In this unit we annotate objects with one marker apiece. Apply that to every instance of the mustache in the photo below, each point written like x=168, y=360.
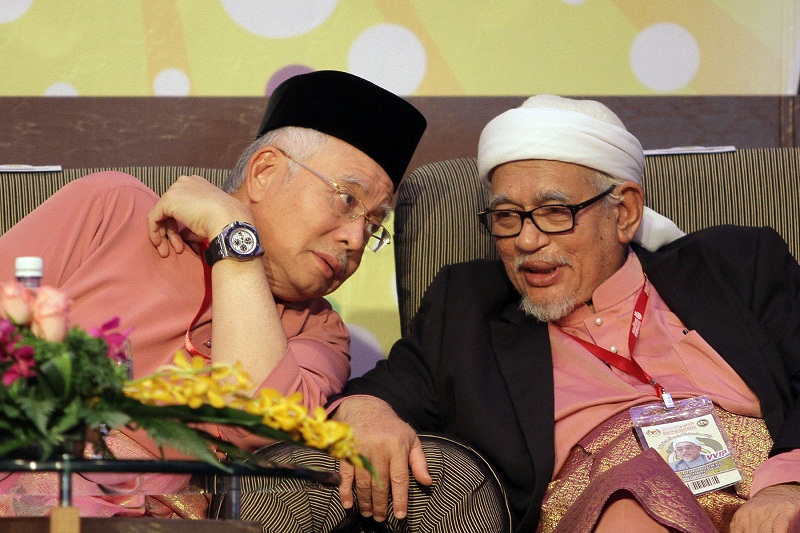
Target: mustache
x=541, y=256
x=342, y=257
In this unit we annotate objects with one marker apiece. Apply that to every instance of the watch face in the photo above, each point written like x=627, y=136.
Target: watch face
x=242, y=241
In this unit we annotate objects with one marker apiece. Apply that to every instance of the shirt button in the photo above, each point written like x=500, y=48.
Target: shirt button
x=598, y=321
x=613, y=349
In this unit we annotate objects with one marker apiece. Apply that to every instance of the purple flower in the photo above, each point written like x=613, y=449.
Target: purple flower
x=8, y=340
x=114, y=339
x=23, y=366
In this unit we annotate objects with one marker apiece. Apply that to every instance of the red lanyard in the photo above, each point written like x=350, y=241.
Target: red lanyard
x=630, y=366
x=187, y=341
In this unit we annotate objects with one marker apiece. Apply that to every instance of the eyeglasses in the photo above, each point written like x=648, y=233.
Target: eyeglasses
x=347, y=205
x=549, y=219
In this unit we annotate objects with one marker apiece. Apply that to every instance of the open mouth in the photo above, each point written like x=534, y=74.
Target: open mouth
x=541, y=270
x=540, y=273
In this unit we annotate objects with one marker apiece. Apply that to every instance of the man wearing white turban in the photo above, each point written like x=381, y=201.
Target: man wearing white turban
x=537, y=358
x=583, y=132
x=688, y=452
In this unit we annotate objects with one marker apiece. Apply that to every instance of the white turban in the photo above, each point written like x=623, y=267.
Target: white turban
x=583, y=132
x=685, y=439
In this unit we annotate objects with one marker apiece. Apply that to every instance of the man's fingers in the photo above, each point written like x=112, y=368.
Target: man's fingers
x=161, y=242
x=346, y=473
x=399, y=487
x=381, y=488
x=175, y=239
x=364, y=491
x=418, y=464
x=388, y=442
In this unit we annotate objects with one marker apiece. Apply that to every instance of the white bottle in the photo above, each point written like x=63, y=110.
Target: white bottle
x=29, y=271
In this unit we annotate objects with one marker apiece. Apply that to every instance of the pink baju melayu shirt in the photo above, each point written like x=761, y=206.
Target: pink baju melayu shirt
x=92, y=236
x=588, y=391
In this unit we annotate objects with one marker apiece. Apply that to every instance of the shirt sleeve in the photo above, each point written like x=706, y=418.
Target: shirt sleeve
x=316, y=362
x=778, y=469
x=68, y=228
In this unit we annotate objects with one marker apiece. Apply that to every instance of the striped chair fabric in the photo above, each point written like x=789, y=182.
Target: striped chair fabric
x=436, y=222
x=21, y=192
x=466, y=496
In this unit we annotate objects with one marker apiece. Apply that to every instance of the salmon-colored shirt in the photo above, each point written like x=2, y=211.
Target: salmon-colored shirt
x=587, y=391
x=92, y=236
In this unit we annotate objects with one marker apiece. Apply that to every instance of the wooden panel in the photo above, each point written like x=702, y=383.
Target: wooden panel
x=211, y=131
x=89, y=132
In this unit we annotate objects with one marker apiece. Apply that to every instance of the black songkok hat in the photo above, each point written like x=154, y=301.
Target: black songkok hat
x=352, y=109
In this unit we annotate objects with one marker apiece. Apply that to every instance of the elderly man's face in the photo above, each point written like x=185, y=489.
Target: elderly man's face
x=688, y=451
x=309, y=250
x=556, y=273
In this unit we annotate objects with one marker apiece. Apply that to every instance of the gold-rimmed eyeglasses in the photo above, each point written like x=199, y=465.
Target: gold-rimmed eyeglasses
x=349, y=207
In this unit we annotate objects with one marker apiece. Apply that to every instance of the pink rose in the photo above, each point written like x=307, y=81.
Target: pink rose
x=16, y=302
x=50, y=314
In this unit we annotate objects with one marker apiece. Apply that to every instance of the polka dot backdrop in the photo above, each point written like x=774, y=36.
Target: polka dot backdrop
x=411, y=47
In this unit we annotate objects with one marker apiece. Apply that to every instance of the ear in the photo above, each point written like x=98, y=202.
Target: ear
x=629, y=210
x=261, y=170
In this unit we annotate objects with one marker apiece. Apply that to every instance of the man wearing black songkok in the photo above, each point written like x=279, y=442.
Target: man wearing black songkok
x=305, y=199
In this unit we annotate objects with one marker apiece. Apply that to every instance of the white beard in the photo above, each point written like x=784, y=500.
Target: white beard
x=549, y=312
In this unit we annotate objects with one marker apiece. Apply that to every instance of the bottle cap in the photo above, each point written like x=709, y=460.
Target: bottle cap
x=28, y=267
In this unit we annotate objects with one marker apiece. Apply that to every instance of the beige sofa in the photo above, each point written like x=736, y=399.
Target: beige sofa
x=21, y=192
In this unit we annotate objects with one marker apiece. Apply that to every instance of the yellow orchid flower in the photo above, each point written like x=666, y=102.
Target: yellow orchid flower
x=195, y=382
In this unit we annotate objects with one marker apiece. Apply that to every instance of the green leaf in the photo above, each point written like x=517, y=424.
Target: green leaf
x=38, y=411
x=9, y=446
x=106, y=416
x=371, y=469
x=179, y=436
x=10, y=411
x=68, y=419
x=57, y=372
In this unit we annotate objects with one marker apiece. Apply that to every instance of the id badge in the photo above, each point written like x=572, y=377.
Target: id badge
x=690, y=438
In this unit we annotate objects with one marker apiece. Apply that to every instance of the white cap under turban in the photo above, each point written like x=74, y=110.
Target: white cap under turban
x=583, y=132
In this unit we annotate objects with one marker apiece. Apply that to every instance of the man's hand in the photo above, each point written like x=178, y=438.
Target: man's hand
x=392, y=446
x=192, y=209
x=772, y=510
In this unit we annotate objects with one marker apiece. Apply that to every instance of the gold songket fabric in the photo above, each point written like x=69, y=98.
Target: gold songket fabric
x=611, y=459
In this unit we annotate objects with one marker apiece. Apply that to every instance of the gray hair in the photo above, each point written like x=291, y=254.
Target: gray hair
x=601, y=181
x=300, y=143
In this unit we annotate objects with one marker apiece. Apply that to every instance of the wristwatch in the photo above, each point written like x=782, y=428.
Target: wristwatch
x=238, y=241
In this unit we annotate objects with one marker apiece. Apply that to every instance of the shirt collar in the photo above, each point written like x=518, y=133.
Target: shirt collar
x=626, y=282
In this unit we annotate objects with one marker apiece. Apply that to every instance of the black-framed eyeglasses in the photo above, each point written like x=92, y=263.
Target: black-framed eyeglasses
x=349, y=207
x=550, y=219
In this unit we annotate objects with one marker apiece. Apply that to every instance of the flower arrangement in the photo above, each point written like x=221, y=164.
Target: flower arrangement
x=59, y=382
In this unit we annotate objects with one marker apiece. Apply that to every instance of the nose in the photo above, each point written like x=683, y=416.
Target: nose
x=531, y=238
x=352, y=234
